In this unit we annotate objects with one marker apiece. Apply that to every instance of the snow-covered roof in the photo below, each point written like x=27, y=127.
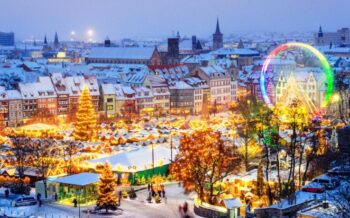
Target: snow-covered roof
x=179, y=85
x=59, y=83
x=13, y=95
x=43, y=88
x=81, y=179
x=143, y=92
x=9, y=94
x=141, y=158
x=122, y=52
x=235, y=51
x=157, y=81
x=197, y=59
x=196, y=82
x=76, y=84
x=136, y=78
x=328, y=50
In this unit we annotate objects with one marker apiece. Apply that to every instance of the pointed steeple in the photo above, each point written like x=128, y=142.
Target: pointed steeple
x=56, y=42
x=240, y=44
x=217, y=31
x=320, y=32
x=218, y=37
x=178, y=35
x=45, y=40
x=199, y=45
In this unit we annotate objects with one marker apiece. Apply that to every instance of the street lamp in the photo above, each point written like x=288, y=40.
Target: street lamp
x=152, y=159
x=133, y=170
x=171, y=146
x=79, y=192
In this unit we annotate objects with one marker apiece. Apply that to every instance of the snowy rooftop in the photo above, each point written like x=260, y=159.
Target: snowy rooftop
x=81, y=179
x=179, y=85
x=76, y=84
x=235, y=51
x=122, y=53
x=43, y=88
x=141, y=158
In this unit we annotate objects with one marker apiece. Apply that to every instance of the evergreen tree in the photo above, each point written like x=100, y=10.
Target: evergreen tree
x=260, y=180
x=107, y=198
x=85, y=126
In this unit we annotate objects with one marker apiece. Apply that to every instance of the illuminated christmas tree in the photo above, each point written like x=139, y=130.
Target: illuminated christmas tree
x=85, y=126
x=203, y=161
x=107, y=198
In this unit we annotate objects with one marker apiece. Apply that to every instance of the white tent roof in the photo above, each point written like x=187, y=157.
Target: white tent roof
x=140, y=158
x=81, y=179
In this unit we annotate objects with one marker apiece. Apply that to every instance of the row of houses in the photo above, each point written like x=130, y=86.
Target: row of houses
x=157, y=92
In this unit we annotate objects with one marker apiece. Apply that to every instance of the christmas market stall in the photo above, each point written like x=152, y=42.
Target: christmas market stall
x=137, y=164
x=81, y=187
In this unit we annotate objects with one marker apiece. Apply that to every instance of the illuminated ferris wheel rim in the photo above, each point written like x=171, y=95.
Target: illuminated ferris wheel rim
x=283, y=47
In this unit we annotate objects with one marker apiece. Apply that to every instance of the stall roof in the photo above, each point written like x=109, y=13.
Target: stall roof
x=81, y=179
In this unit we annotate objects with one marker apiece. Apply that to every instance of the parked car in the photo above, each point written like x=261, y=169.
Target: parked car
x=342, y=171
x=314, y=187
x=24, y=201
x=329, y=183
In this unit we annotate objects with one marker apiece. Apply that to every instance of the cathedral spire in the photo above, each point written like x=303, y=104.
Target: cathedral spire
x=217, y=31
x=56, y=42
x=218, y=41
x=320, y=32
x=240, y=44
x=45, y=40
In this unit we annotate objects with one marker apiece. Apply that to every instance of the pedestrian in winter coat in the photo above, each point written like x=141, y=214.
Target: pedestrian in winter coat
x=38, y=196
x=75, y=202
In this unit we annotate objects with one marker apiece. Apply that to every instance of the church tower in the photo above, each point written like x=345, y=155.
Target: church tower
x=218, y=41
x=45, y=40
x=320, y=32
x=56, y=43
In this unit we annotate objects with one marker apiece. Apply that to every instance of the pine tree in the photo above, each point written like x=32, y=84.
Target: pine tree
x=85, y=126
x=260, y=180
x=107, y=198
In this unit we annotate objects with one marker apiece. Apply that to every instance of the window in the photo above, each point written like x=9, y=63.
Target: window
x=109, y=100
x=109, y=107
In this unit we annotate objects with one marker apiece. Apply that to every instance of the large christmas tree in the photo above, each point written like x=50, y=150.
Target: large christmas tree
x=107, y=198
x=85, y=126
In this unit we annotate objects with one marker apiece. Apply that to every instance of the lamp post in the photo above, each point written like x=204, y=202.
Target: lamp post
x=152, y=159
x=79, y=192
x=133, y=170
x=171, y=147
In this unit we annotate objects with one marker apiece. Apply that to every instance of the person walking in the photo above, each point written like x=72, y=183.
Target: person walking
x=183, y=209
x=163, y=192
x=75, y=202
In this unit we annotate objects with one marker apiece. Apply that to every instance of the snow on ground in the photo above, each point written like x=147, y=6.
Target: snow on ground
x=138, y=208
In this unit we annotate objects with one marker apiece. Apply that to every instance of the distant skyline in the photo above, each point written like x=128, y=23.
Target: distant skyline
x=119, y=19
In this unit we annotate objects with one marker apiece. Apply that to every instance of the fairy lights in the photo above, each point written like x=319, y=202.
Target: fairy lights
x=298, y=45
